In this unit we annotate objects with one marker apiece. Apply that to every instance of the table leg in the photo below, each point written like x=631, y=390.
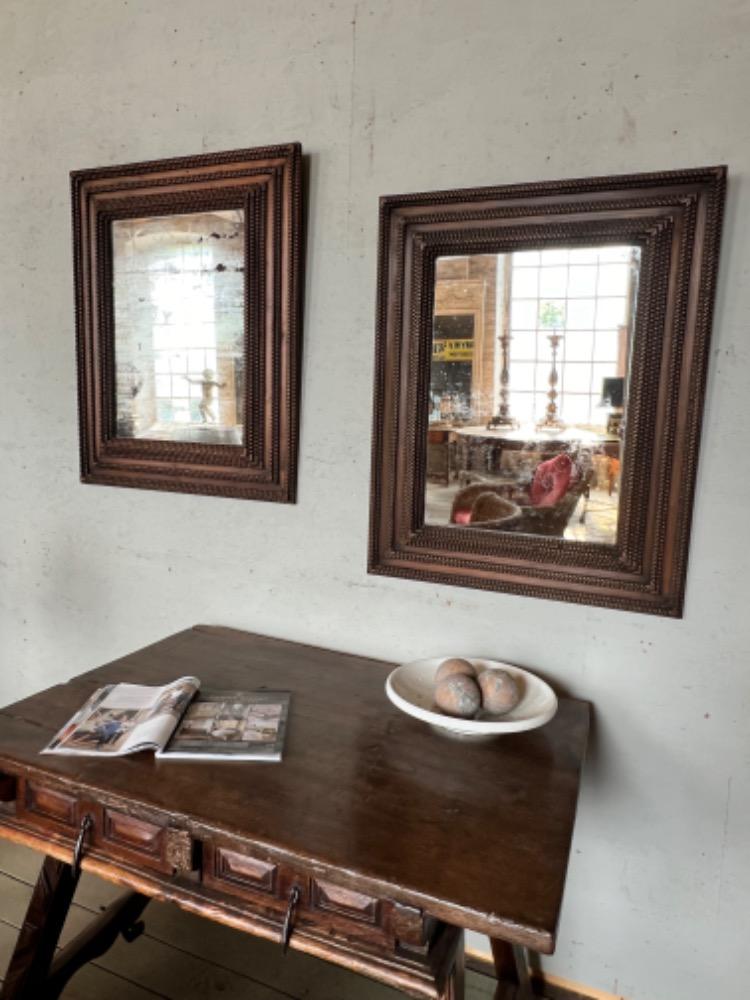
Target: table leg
x=35, y=973
x=512, y=971
x=454, y=987
x=120, y=917
x=464, y=457
x=38, y=937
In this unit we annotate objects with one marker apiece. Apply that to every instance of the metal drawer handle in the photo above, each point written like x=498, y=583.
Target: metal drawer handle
x=286, y=930
x=86, y=824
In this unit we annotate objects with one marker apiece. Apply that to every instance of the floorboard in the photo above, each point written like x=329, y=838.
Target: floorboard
x=182, y=956
x=90, y=983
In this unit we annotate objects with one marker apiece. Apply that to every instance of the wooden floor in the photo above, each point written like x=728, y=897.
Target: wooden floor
x=181, y=956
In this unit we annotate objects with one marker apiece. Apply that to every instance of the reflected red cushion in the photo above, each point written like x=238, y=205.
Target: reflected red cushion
x=551, y=481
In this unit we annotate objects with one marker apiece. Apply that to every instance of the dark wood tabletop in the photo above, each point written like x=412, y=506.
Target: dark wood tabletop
x=477, y=834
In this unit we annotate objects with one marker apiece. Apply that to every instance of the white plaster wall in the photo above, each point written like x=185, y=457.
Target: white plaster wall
x=389, y=97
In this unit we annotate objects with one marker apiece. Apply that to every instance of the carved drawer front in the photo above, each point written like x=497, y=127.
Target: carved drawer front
x=239, y=872
x=322, y=906
x=130, y=835
x=143, y=841
x=47, y=806
x=344, y=902
x=266, y=885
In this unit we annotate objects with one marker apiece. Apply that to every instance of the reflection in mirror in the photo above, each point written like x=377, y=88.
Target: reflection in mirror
x=179, y=327
x=527, y=400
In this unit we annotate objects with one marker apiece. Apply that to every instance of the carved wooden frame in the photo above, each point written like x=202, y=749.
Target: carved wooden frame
x=675, y=218
x=267, y=183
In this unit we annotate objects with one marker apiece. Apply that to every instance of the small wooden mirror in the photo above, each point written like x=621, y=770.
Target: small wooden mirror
x=540, y=371
x=187, y=282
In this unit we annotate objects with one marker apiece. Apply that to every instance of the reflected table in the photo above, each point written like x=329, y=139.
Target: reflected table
x=373, y=844
x=480, y=449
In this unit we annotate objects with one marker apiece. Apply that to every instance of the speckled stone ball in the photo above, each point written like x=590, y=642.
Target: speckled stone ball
x=454, y=665
x=458, y=695
x=500, y=691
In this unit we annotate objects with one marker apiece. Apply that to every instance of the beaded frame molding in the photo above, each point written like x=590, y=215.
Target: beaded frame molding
x=267, y=183
x=675, y=218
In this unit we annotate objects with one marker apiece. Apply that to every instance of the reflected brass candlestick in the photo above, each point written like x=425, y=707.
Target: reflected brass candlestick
x=551, y=420
x=503, y=416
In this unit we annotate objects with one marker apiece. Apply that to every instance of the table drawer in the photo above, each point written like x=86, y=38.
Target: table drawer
x=50, y=805
x=235, y=870
x=143, y=841
x=264, y=885
x=121, y=835
x=329, y=898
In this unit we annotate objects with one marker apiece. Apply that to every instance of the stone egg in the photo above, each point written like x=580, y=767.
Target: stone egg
x=458, y=695
x=453, y=666
x=500, y=691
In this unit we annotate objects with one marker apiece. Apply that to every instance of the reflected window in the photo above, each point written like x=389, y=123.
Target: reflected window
x=584, y=297
x=179, y=322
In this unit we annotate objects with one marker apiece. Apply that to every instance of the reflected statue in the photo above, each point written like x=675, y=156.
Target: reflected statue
x=209, y=383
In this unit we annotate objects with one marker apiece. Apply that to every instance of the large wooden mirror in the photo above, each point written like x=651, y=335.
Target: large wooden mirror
x=541, y=363
x=188, y=279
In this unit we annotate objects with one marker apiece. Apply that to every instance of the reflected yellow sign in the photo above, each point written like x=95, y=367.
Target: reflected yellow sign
x=452, y=350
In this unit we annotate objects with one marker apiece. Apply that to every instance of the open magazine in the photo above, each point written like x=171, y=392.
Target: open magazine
x=177, y=721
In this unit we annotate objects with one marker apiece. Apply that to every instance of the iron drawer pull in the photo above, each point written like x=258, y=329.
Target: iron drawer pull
x=286, y=930
x=86, y=824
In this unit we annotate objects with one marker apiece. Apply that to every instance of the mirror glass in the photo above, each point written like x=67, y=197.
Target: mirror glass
x=179, y=327
x=528, y=390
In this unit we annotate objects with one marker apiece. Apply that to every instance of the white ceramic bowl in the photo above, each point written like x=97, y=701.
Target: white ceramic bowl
x=411, y=688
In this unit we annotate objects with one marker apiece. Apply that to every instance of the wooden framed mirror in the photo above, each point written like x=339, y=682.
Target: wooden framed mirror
x=188, y=279
x=540, y=372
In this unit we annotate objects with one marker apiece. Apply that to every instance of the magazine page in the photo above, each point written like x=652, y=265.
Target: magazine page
x=236, y=725
x=125, y=718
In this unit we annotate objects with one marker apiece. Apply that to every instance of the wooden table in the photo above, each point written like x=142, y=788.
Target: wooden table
x=373, y=844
